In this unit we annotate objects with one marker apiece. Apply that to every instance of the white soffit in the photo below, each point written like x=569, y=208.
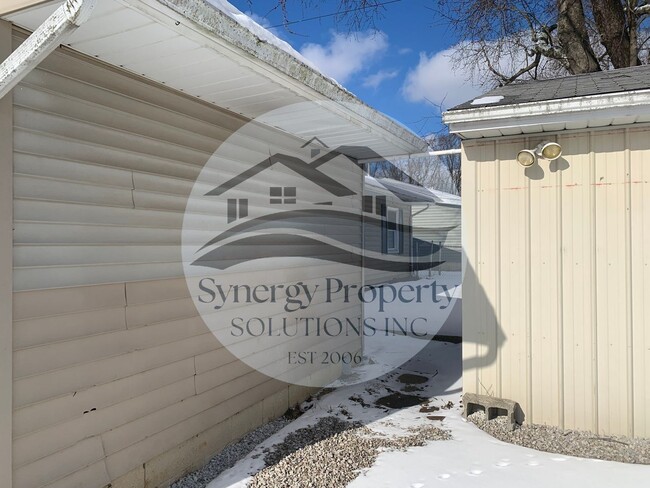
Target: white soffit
x=586, y=112
x=190, y=46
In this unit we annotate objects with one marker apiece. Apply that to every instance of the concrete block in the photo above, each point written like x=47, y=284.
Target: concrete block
x=493, y=408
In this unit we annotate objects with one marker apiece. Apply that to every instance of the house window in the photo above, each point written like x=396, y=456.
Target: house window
x=282, y=194
x=393, y=237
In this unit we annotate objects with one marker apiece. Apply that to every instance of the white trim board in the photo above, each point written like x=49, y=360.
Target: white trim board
x=621, y=108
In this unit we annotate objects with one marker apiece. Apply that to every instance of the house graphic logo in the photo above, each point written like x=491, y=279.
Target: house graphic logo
x=321, y=216
x=291, y=262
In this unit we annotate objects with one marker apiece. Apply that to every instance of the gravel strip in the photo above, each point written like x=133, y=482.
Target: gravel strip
x=568, y=442
x=331, y=454
x=231, y=454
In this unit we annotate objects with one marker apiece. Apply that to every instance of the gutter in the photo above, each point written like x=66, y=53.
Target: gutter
x=198, y=20
x=51, y=33
x=442, y=152
x=548, y=112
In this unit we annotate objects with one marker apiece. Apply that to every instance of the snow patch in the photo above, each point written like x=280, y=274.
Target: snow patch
x=487, y=100
x=471, y=459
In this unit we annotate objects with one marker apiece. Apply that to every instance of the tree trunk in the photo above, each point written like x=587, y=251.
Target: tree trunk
x=614, y=31
x=574, y=37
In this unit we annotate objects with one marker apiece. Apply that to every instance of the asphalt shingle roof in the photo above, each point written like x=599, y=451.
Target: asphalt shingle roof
x=602, y=82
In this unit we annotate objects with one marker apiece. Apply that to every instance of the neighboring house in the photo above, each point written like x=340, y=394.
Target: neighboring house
x=435, y=217
x=557, y=280
x=395, y=237
x=108, y=377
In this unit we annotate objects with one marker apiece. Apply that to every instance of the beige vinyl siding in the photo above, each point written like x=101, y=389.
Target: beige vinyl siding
x=113, y=368
x=6, y=243
x=556, y=279
x=13, y=5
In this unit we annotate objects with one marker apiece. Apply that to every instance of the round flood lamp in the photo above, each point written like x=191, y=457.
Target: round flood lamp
x=550, y=150
x=526, y=158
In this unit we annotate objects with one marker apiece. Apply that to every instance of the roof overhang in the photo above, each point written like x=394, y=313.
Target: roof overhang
x=191, y=46
x=593, y=111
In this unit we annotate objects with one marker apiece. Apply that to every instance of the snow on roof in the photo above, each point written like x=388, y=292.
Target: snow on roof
x=214, y=52
x=414, y=193
x=444, y=198
x=259, y=31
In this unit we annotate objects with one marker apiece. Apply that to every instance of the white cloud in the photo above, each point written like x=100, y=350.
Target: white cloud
x=374, y=80
x=435, y=79
x=405, y=50
x=345, y=55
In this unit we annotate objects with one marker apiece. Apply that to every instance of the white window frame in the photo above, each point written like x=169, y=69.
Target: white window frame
x=398, y=221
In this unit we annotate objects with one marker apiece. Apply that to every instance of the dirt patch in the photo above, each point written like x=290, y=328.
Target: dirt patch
x=426, y=408
x=412, y=379
x=399, y=400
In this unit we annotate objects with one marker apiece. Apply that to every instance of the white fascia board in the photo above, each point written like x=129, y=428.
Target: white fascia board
x=49, y=35
x=200, y=21
x=548, y=114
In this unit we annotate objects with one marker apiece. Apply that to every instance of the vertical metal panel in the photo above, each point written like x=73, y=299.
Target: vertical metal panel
x=482, y=305
x=640, y=278
x=557, y=262
x=577, y=283
x=611, y=281
x=545, y=281
x=6, y=265
x=512, y=273
x=470, y=160
x=488, y=272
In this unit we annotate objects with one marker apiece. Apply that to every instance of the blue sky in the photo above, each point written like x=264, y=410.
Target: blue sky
x=396, y=69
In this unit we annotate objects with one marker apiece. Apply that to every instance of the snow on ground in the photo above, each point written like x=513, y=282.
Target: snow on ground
x=384, y=352
x=471, y=458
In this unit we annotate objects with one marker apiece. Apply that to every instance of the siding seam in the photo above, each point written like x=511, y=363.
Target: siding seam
x=560, y=296
x=628, y=285
x=499, y=392
x=528, y=291
x=594, y=288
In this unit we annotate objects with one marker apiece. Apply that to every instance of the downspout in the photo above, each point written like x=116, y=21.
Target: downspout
x=51, y=33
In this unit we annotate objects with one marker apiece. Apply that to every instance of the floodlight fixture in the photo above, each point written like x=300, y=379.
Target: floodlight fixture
x=526, y=157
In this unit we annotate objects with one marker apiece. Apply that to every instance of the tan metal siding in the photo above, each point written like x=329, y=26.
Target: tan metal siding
x=640, y=274
x=556, y=278
x=472, y=155
x=510, y=245
x=577, y=317
x=543, y=318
